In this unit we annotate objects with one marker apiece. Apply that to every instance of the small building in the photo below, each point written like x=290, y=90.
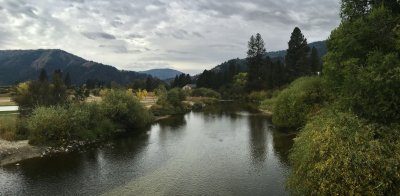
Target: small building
x=189, y=87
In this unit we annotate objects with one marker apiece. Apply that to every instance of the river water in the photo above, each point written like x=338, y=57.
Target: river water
x=227, y=150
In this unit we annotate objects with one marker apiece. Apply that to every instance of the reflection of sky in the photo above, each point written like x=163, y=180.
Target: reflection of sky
x=193, y=153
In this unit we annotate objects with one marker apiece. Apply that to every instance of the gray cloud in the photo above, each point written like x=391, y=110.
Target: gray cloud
x=98, y=35
x=141, y=34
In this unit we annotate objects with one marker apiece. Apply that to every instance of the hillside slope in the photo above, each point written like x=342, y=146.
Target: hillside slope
x=23, y=65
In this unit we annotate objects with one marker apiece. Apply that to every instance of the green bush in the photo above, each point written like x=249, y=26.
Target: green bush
x=363, y=66
x=8, y=127
x=175, y=97
x=170, y=103
x=268, y=104
x=57, y=125
x=205, y=92
x=294, y=104
x=125, y=110
x=340, y=154
x=258, y=96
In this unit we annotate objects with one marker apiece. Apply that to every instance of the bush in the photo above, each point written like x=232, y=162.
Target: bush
x=363, y=65
x=258, y=96
x=340, y=154
x=8, y=127
x=294, y=104
x=205, y=92
x=170, y=102
x=268, y=104
x=125, y=110
x=13, y=127
x=57, y=125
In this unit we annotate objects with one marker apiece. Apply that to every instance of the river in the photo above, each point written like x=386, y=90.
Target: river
x=227, y=150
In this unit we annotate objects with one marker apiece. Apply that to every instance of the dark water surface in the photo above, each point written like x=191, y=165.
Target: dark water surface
x=228, y=150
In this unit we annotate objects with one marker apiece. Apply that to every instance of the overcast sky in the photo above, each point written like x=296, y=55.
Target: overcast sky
x=188, y=35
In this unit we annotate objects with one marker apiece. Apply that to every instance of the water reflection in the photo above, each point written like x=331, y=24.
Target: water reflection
x=226, y=150
x=173, y=122
x=283, y=142
x=258, y=139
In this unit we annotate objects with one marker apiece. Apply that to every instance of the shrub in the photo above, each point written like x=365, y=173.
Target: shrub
x=268, y=104
x=58, y=125
x=205, y=92
x=8, y=127
x=258, y=96
x=340, y=154
x=170, y=102
x=125, y=110
x=294, y=104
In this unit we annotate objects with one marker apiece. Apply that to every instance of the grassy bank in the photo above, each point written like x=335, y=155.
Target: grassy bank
x=8, y=126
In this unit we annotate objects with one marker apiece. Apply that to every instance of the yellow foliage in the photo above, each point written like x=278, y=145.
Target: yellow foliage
x=141, y=94
x=22, y=88
x=129, y=92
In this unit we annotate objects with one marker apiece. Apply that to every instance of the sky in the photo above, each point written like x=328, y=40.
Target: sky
x=188, y=35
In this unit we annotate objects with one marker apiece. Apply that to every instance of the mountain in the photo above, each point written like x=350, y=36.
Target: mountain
x=275, y=56
x=162, y=74
x=23, y=65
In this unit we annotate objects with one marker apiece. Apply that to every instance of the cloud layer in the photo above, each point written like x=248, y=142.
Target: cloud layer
x=136, y=35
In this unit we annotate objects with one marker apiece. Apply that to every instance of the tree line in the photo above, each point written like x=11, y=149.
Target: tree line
x=266, y=73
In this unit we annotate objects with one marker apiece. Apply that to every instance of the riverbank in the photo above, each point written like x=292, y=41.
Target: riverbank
x=13, y=152
x=266, y=112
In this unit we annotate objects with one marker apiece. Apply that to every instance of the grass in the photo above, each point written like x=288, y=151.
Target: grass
x=8, y=126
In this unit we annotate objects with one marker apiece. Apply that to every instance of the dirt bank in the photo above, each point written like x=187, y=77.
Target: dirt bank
x=13, y=152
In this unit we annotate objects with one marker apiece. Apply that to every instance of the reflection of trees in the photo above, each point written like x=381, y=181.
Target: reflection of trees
x=173, y=122
x=258, y=139
x=282, y=145
x=55, y=165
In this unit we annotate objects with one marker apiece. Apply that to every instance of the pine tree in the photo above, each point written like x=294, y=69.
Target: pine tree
x=59, y=91
x=67, y=80
x=315, y=61
x=297, y=64
x=43, y=76
x=255, y=57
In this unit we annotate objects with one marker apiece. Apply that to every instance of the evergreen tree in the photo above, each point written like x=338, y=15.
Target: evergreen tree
x=43, y=76
x=315, y=61
x=59, y=91
x=67, y=80
x=255, y=55
x=297, y=64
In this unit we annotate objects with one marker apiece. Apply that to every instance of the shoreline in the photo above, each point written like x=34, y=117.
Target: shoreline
x=12, y=152
x=265, y=112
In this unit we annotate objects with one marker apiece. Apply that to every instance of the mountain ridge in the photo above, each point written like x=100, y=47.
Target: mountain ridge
x=23, y=65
